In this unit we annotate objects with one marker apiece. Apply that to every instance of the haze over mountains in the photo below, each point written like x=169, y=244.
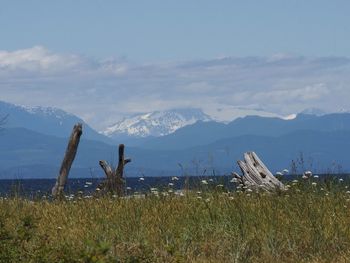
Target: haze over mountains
x=34, y=140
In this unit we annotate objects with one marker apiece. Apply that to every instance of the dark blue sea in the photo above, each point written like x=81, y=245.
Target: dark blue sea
x=39, y=187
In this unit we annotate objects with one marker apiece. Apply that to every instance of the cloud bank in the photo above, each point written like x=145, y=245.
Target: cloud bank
x=103, y=91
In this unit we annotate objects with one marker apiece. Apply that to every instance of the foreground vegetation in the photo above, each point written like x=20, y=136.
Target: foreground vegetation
x=308, y=223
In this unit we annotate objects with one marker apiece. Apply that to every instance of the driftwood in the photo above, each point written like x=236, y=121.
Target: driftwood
x=68, y=159
x=114, y=182
x=256, y=174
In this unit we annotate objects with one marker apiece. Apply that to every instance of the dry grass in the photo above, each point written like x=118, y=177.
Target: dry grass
x=305, y=224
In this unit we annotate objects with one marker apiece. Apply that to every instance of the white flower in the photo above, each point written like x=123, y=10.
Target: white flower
x=316, y=176
x=279, y=174
x=285, y=171
x=234, y=180
x=170, y=184
x=314, y=183
x=204, y=182
x=308, y=173
x=141, y=179
x=341, y=180
x=174, y=178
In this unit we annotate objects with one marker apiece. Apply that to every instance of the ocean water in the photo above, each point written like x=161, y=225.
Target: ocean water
x=39, y=187
x=33, y=188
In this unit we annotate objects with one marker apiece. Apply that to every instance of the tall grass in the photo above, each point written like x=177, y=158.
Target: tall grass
x=307, y=223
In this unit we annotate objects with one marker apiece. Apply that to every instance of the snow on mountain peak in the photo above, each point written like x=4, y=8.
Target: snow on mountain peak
x=157, y=123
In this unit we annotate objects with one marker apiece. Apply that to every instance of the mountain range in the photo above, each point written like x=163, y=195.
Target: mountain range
x=155, y=124
x=33, y=142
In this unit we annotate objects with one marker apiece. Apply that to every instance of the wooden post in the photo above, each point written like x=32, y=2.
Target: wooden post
x=114, y=182
x=256, y=174
x=68, y=159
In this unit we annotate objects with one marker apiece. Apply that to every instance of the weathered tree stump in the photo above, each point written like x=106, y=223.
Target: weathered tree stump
x=114, y=182
x=67, y=162
x=256, y=174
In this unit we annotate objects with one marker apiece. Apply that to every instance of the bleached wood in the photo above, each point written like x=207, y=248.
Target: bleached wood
x=68, y=159
x=115, y=178
x=257, y=175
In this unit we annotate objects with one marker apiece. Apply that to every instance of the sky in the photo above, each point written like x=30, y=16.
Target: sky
x=104, y=60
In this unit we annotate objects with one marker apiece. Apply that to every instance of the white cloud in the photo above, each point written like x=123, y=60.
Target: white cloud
x=102, y=91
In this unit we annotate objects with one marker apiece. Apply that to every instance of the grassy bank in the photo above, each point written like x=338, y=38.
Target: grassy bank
x=307, y=223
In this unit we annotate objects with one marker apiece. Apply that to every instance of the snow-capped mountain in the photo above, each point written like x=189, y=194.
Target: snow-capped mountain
x=45, y=120
x=157, y=123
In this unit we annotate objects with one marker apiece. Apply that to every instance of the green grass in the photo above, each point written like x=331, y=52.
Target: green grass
x=304, y=224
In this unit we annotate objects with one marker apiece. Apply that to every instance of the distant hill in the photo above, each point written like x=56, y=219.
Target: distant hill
x=202, y=133
x=28, y=154
x=46, y=120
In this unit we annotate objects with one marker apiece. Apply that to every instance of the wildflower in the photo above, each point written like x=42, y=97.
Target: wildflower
x=199, y=192
x=305, y=177
x=314, y=183
x=285, y=171
x=205, y=182
x=174, y=178
x=88, y=183
x=141, y=179
x=170, y=184
x=308, y=174
x=154, y=189
x=341, y=180
x=279, y=174
x=348, y=192
x=86, y=186
x=220, y=185
x=248, y=194
x=316, y=176
x=114, y=196
x=207, y=200
x=199, y=197
x=128, y=188
x=211, y=180
x=98, y=189
x=231, y=198
x=170, y=191
x=249, y=190
x=234, y=180
x=59, y=228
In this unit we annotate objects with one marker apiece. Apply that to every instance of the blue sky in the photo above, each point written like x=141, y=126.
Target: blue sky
x=175, y=30
x=104, y=60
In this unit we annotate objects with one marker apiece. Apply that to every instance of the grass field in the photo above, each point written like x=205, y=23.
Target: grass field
x=307, y=223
